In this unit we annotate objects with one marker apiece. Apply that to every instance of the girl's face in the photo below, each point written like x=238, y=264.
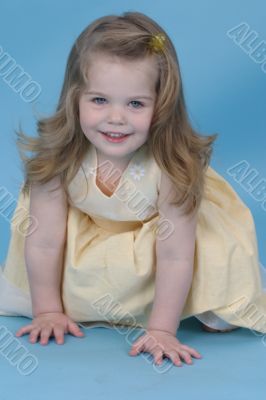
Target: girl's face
x=120, y=98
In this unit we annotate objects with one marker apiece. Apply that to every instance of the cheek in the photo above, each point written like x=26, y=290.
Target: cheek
x=144, y=121
x=86, y=116
x=82, y=113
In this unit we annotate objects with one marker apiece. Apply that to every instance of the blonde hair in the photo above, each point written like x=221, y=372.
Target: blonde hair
x=181, y=153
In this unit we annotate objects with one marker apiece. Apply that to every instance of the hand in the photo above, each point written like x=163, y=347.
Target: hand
x=158, y=343
x=54, y=324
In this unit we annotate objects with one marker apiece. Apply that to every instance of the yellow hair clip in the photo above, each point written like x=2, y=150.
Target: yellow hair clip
x=157, y=42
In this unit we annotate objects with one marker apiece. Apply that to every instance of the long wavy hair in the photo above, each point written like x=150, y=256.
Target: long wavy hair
x=180, y=152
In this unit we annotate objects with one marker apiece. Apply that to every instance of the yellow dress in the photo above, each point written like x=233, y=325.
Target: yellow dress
x=109, y=258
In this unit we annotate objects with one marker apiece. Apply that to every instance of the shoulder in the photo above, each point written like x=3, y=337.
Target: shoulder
x=166, y=190
x=179, y=241
x=167, y=194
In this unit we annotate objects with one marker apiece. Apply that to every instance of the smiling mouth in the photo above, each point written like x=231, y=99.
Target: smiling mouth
x=115, y=134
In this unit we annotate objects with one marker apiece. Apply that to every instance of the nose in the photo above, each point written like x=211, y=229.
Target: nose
x=116, y=115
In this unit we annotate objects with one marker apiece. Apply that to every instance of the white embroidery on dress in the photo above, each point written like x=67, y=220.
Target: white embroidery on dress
x=137, y=171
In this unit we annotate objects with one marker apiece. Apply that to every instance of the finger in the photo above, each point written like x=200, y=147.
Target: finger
x=74, y=329
x=24, y=329
x=34, y=335
x=59, y=334
x=45, y=334
x=185, y=355
x=140, y=343
x=192, y=351
x=157, y=356
x=174, y=357
x=136, y=349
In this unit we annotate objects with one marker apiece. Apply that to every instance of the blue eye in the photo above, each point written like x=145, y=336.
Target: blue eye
x=138, y=102
x=95, y=100
x=98, y=98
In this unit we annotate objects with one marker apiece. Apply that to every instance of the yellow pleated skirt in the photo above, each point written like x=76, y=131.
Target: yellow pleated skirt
x=109, y=266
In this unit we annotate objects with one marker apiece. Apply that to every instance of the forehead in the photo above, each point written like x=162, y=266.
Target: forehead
x=106, y=71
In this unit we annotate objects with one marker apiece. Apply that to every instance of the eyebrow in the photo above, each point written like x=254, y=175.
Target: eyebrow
x=104, y=95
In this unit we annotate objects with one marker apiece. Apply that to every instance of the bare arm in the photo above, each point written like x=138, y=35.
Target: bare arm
x=44, y=248
x=174, y=269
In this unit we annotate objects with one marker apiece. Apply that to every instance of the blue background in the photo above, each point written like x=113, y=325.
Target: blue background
x=224, y=87
x=225, y=93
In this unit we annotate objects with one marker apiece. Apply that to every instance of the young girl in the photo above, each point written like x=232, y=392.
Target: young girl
x=120, y=217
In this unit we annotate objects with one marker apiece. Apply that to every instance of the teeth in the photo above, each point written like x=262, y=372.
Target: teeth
x=114, y=134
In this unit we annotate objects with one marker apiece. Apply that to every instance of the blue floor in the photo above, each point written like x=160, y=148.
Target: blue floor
x=98, y=366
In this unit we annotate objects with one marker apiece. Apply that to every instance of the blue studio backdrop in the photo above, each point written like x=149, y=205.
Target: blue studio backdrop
x=222, y=53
